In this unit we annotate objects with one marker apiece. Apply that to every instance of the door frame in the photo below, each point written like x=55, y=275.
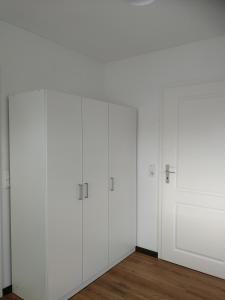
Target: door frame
x=161, y=173
x=1, y=188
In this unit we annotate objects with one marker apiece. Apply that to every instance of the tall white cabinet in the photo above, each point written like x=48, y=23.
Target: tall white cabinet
x=73, y=191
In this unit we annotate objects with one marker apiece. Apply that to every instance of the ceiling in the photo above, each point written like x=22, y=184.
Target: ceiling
x=109, y=30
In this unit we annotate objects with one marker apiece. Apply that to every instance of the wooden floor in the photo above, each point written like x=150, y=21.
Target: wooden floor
x=140, y=277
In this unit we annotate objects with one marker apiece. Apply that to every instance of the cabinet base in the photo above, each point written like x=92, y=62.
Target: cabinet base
x=85, y=284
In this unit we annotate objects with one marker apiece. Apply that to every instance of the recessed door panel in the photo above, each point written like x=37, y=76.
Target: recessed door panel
x=201, y=146
x=200, y=231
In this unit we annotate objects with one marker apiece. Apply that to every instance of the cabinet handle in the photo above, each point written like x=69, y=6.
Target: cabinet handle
x=86, y=190
x=80, y=191
x=112, y=189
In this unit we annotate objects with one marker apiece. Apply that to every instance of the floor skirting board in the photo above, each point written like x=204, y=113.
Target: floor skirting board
x=147, y=252
x=7, y=290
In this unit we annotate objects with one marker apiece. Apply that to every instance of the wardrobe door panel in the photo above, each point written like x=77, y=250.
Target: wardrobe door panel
x=64, y=174
x=122, y=195
x=95, y=178
x=27, y=197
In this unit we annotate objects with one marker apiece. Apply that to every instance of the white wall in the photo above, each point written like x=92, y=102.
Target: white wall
x=140, y=82
x=30, y=62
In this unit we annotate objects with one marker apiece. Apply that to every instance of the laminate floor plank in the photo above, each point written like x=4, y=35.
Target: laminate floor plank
x=141, y=277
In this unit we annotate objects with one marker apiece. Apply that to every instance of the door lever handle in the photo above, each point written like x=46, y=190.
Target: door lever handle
x=168, y=172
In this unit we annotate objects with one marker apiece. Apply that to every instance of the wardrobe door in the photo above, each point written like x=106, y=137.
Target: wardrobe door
x=95, y=179
x=27, y=172
x=122, y=195
x=64, y=174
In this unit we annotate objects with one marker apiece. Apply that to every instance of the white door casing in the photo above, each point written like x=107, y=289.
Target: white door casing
x=193, y=202
x=1, y=269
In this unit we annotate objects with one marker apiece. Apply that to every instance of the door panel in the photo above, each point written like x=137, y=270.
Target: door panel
x=95, y=206
x=201, y=125
x=199, y=237
x=193, y=221
x=64, y=160
x=122, y=158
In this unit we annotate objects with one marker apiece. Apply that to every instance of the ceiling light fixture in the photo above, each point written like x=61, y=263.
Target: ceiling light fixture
x=140, y=2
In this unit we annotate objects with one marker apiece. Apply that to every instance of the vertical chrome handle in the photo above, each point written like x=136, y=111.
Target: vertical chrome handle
x=112, y=188
x=86, y=190
x=80, y=191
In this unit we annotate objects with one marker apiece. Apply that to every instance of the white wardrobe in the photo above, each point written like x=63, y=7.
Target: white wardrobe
x=73, y=191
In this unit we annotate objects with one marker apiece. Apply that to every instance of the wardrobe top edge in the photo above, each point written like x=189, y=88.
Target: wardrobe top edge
x=45, y=90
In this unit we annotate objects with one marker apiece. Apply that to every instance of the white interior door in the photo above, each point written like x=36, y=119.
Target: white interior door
x=64, y=135
x=122, y=195
x=193, y=219
x=95, y=179
x=1, y=190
